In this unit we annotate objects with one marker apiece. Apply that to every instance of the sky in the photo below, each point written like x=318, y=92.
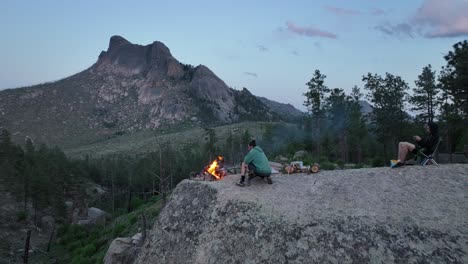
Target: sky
x=270, y=47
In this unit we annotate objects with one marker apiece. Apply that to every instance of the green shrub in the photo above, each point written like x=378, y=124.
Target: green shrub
x=72, y=233
x=120, y=211
x=98, y=258
x=132, y=218
x=340, y=164
x=118, y=230
x=323, y=159
x=136, y=203
x=80, y=260
x=358, y=166
x=327, y=166
x=74, y=246
x=88, y=250
x=377, y=162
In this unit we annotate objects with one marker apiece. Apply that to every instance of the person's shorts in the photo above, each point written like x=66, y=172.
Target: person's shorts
x=257, y=173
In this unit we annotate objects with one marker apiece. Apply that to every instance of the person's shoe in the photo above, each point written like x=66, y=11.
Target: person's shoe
x=398, y=164
x=250, y=177
x=241, y=184
x=269, y=181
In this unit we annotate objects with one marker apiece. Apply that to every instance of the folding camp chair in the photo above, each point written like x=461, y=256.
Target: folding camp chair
x=429, y=158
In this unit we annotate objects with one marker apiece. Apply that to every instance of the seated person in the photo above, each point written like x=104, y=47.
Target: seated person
x=256, y=163
x=427, y=142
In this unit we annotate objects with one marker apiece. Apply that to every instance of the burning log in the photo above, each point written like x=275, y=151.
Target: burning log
x=213, y=172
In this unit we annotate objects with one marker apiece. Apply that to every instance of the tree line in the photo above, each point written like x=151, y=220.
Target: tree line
x=43, y=177
x=335, y=121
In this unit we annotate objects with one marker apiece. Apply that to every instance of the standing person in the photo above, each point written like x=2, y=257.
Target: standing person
x=256, y=164
x=427, y=142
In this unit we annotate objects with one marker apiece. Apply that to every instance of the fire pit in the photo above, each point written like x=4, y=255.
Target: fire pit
x=213, y=172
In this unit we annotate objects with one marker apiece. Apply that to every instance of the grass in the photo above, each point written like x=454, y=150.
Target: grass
x=147, y=141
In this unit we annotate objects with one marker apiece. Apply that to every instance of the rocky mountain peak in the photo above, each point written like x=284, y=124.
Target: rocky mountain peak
x=127, y=58
x=117, y=41
x=130, y=88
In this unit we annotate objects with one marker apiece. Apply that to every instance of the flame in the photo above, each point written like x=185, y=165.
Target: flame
x=212, y=169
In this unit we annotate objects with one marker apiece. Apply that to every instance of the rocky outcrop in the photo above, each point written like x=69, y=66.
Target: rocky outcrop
x=123, y=250
x=409, y=215
x=94, y=216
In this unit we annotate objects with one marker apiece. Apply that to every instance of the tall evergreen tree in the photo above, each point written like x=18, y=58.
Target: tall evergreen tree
x=336, y=106
x=450, y=115
x=424, y=98
x=455, y=79
x=315, y=97
x=357, y=128
x=211, y=147
x=388, y=96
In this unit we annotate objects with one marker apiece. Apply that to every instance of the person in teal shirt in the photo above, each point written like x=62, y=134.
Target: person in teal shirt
x=256, y=164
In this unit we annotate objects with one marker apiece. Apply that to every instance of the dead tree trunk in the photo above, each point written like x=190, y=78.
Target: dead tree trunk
x=317, y=135
x=143, y=218
x=129, y=205
x=50, y=238
x=26, y=247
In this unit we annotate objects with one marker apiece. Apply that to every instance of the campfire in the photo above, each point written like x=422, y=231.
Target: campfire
x=213, y=172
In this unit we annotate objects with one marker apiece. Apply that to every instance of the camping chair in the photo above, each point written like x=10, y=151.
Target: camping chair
x=429, y=158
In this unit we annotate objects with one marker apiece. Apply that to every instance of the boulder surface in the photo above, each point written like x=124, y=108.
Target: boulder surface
x=412, y=214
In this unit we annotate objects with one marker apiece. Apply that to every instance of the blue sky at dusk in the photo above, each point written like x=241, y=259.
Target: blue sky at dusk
x=270, y=47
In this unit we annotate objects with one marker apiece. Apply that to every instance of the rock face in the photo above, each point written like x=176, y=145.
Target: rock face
x=130, y=88
x=409, y=215
x=121, y=251
x=94, y=216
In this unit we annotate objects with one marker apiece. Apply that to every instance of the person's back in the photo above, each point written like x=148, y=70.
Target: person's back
x=256, y=163
x=429, y=141
x=257, y=157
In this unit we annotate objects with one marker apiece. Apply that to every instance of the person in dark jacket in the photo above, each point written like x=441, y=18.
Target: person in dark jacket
x=256, y=164
x=427, y=143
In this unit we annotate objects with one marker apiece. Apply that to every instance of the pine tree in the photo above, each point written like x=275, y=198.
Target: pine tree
x=425, y=95
x=336, y=106
x=357, y=127
x=6, y=156
x=455, y=78
x=315, y=97
x=388, y=96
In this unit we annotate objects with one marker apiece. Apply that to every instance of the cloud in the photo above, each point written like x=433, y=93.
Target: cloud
x=251, y=74
x=342, y=11
x=398, y=30
x=433, y=19
x=309, y=31
x=262, y=48
x=439, y=19
x=378, y=12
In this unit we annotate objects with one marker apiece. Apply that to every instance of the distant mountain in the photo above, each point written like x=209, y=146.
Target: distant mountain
x=366, y=108
x=285, y=111
x=130, y=88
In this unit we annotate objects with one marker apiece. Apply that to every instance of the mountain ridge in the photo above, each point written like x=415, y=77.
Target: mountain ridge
x=129, y=88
